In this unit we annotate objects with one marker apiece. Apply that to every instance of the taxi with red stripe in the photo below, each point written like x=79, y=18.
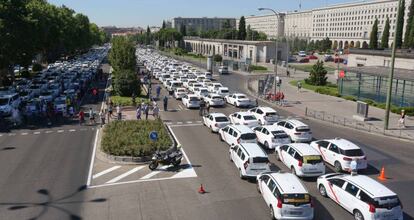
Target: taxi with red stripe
x=340, y=152
x=362, y=196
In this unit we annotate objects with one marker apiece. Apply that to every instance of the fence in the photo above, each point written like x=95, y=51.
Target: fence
x=346, y=122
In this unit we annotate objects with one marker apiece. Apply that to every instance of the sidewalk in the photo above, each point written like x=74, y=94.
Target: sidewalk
x=336, y=110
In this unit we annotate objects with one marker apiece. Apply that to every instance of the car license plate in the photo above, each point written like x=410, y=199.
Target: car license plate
x=295, y=213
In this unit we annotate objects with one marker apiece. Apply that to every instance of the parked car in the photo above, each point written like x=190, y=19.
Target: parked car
x=304, y=60
x=265, y=115
x=215, y=121
x=250, y=159
x=214, y=100
x=223, y=70
x=179, y=93
x=238, y=100
x=302, y=53
x=244, y=118
x=222, y=91
x=285, y=195
x=297, y=130
x=191, y=101
x=361, y=195
x=8, y=103
x=236, y=134
x=328, y=58
x=270, y=137
x=340, y=152
x=312, y=57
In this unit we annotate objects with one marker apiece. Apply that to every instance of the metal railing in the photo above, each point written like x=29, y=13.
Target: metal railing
x=346, y=122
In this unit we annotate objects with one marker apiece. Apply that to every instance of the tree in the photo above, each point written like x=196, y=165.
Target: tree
x=122, y=55
x=400, y=25
x=183, y=30
x=242, y=29
x=317, y=75
x=408, y=40
x=386, y=34
x=226, y=24
x=126, y=83
x=163, y=25
x=373, y=39
x=148, y=36
x=217, y=58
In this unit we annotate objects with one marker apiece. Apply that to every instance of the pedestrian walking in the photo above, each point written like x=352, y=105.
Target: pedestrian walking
x=202, y=107
x=287, y=73
x=81, y=117
x=158, y=90
x=208, y=107
x=165, y=103
x=71, y=112
x=91, y=116
x=138, y=112
x=156, y=111
x=401, y=122
x=282, y=99
x=257, y=102
x=119, y=112
x=110, y=110
x=299, y=85
x=146, y=111
x=102, y=116
x=353, y=166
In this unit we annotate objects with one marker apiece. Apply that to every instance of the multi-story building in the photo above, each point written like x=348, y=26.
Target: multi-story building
x=346, y=25
x=202, y=24
x=273, y=26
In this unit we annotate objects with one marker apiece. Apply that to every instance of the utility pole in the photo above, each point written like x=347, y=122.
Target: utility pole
x=391, y=75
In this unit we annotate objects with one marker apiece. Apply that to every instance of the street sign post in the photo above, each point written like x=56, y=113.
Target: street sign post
x=153, y=136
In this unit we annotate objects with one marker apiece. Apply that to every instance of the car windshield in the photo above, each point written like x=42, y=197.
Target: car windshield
x=260, y=160
x=279, y=134
x=241, y=97
x=249, y=117
x=313, y=159
x=194, y=99
x=303, y=129
x=224, y=91
x=271, y=114
x=353, y=153
x=4, y=101
x=222, y=119
x=296, y=199
x=45, y=93
x=216, y=97
x=387, y=202
x=248, y=136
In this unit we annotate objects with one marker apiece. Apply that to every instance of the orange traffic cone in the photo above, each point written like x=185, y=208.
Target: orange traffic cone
x=201, y=189
x=382, y=174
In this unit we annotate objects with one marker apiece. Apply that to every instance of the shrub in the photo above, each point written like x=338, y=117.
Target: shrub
x=131, y=138
x=25, y=74
x=126, y=83
x=254, y=67
x=127, y=101
x=317, y=75
x=350, y=98
x=218, y=58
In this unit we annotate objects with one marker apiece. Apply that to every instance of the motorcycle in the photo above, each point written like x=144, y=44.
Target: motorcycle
x=168, y=157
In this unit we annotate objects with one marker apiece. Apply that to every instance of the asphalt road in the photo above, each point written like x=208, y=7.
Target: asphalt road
x=43, y=171
x=228, y=196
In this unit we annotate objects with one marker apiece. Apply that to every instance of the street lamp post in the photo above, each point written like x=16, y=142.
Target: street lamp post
x=391, y=75
x=276, y=55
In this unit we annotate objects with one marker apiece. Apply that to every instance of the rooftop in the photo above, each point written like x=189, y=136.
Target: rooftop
x=230, y=41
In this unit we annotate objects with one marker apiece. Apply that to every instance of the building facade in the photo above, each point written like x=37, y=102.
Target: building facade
x=202, y=24
x=273, y=26
x=243, y=51
x=379, y=58
x=347, y=25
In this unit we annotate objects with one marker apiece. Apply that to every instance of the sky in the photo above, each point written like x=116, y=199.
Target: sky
x=133, y=13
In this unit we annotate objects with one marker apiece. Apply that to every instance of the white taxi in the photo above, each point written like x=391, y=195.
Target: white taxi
x=265, y=115
x=244, y=118
x=215, y=121
x=271, y=137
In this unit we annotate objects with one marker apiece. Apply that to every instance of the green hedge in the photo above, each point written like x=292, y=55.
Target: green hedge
x=254, y=67
x=131, y=138
x=127, y=101
x=329, y=89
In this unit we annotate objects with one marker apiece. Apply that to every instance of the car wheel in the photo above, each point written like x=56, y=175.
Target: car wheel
x=235, y=104
x=338, y=167
x=241, y=174
x=211, y=128
x=322, y=191
x=260, y=122
x=272, y=213
x=277, y=156
x=231, y=160
x=266, y=145
x=258, y=188
x=293, y=171
x=358, y=215
x=221, y=138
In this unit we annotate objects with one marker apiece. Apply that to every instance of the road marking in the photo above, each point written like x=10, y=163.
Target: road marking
x=25, y=133
x=179, y=106
x=12, y=134
x=88, y=182
x=105, y=172
x=116, y=179
x=1, y=135
x=60, y=131
x=72, y=130
x=188, y=172
x=48, y=132
x=168, y=123
x=185, y=125
x=189, y=122
x=37, y=132
x=198, y=121
x=179, y=122
x=153, y=173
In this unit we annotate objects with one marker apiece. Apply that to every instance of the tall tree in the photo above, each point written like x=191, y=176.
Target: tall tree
x=249, y=35
x=148, y=36
x=317, y=75
x=409, y=26
x=386, y=34
x=163, y=24
x=410, y=43
x=183, y=30
x=242, y=29
x=373, y=39
x=400, y=25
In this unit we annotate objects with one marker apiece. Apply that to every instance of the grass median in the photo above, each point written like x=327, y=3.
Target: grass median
x=308, y=67
x=127, y=101
x=131, y=138
x=329, y=89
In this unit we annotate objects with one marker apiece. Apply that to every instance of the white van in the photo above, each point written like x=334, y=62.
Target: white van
x=249, y=159
x=285, y=195
x=236, y=134
x=302, y=159
x=297, y=130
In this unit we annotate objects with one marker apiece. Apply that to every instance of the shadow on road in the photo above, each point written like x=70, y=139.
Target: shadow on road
x=51, y=203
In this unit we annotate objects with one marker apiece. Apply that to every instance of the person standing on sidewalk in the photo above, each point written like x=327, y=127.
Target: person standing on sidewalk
x=156, y=111
x=402, y=119
x=81, y=117
x=158, y=90
x=165, y=103
x=299, y=84
x=102, y=116
x=146, y=111
x=119, y=112
x=138, y=111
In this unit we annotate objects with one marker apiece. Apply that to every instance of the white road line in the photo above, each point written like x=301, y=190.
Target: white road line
x=179, y=122
x=1, y=135
x=185, y=125
x=168, y=123
x=105, y=172
x=60, y=131
x=179, y=106
x=83, y=129
x=72, y=130
x=25, y=133
x=116, y=179
x=153, y=173
x=12, y=134
x=189, y=122
x=198, y=121
x=37, y=132
x=48, y=132
x=88, y=182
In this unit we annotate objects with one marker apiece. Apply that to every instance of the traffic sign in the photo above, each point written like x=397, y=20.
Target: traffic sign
x=153, y=136
x=342, y=74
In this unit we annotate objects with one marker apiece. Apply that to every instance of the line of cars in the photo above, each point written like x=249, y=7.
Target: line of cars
x=54, y=84
x=252, y=133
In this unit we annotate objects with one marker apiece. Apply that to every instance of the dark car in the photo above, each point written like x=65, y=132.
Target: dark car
x=304, y=60
x=329, y=59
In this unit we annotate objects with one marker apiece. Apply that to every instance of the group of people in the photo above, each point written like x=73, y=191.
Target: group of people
x=204, y=107
x=145, y=108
